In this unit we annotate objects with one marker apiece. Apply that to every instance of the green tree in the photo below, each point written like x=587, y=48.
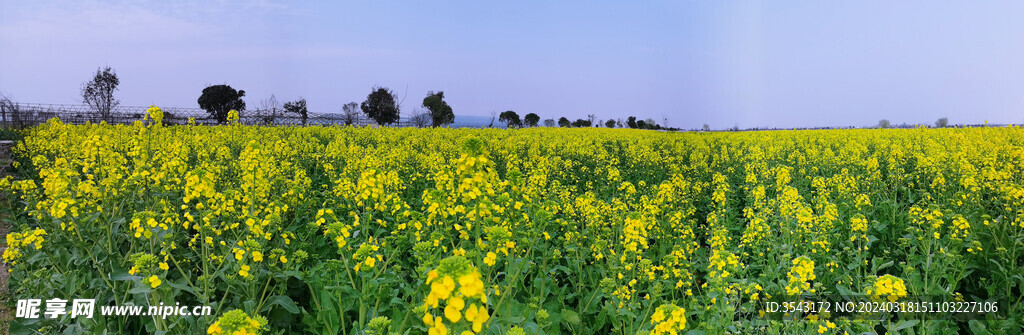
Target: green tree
x=381, y=106
x=942, y=123
x=219, y=99
x=510, y=118
x=298, y=107
x=98, y=93
x=651, y=124
x=609, y=123
x=580, y=123
x=531, y=119
x=440, y=113
x=631, y=122
x=883, y=123
x=564, y=123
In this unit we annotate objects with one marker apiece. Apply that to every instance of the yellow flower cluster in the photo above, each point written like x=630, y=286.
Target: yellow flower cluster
x=457, y=283
x=889, y=287
x=858, y=229
x=236, y=322
x=959, y=227
x=799, y=276
x=367, y=256
x=491, y=258
x=668, y=319
x=18, y=241
x=156, y=114
x=634, y=234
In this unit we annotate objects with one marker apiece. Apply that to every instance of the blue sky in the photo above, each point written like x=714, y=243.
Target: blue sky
x=724, y=63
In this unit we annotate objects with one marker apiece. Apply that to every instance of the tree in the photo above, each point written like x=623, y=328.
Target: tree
x=549, y=122
x=563, y=122
x=651, y=124
x=10, y=112
x=706, y=127
x=297, y=107
x=531, y=119
x=269, y=110
x=883, y=123
x=219, y=99
x=493, y=115
x=609, y=123
x=942, y=123
x=641, y=124
x=350, y=113
x=510, y=118
x=580, y=123
x=440, y=113
x=631, y=122
x=381, y=106
x=98, y=93
x=422, y=119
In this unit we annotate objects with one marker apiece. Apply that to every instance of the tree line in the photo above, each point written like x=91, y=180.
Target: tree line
x=381, y=105
x=511, y=120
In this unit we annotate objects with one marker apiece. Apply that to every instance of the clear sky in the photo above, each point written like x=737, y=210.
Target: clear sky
x=724, y=63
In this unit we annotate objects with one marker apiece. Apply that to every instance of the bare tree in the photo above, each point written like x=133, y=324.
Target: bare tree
x=419, y=118
x=549, y=123
x=98, y=93
x=590, y=117
x=269, y=110
x=350, y=113
x=493, y=116
x=706, y=127
x=10, y=114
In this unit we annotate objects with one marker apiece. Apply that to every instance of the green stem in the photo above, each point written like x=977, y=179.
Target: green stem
x=263, y=296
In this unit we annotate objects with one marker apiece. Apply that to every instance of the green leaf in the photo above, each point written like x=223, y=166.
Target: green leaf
x=977, y=327
x=904, y=325
x=182, y=287
x=883, y=266
x=571, y=317
x=285, y=302
x=144, y=289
